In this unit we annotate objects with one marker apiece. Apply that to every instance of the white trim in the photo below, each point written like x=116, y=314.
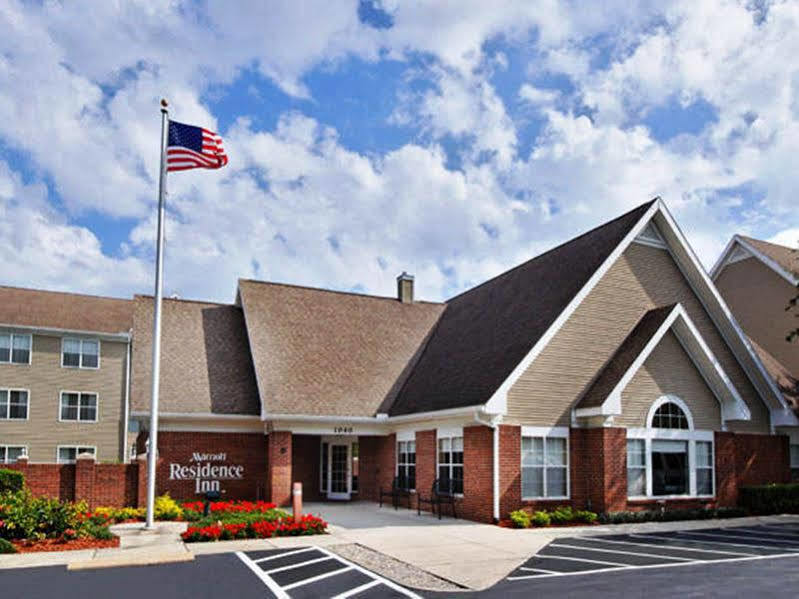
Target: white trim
x=210, y=427
x=451, y=434
x=59, y=332
x=196, y=416
x=498, y=401
x=7, y=446
x=80, y=340
x=663, y=400
x=651, y=236
x=545, y=431
x=126, y=413
x=27, y=412
x=74, y=446
x=406, y=435
x=674, y=434
x=728, y=257
x=449, y=431
x=465, y=411
x=732, y=407
x=406, y=463
x=11, y=334
x=78, y=420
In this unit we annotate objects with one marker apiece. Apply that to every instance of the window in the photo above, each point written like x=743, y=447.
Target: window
x=669, y=467
x=636, y=467
x=80, y=353
x=10, y=453
x=323, y=469
x=68, y=455
x=545, y=467
x=704, y=468
x=450, y=464
x=13, y=404
x=795, y=462
x=406, y=464
x=670, y=415
x=78, y=406
x=15, y=348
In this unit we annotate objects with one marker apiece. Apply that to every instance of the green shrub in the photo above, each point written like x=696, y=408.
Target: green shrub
x=671, y=515
x=101, y=533
x=7, y=547
x=585, y=516
x=562, y=515
x=27, y=517
x=166, y=508
x=520, y=519
x=541, y=518
x=11, y=481
x=242, y=517
x=771, y=499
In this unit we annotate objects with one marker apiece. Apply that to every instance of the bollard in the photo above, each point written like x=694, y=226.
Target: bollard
x=296, y=501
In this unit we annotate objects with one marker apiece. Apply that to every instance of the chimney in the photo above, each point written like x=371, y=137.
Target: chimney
x=405, y=288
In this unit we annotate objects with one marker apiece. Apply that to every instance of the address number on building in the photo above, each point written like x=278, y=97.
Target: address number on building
x=343, y=430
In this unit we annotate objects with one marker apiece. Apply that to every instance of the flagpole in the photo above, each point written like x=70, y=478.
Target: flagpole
x=152, y=454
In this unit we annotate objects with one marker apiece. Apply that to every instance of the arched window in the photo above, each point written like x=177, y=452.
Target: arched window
x=670, y=415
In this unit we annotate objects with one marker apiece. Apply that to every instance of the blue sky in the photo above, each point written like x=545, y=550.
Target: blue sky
x=451, y=140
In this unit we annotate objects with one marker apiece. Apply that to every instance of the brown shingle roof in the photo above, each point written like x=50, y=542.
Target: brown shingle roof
x=487, y=331
x=623, y=357
x=205, y=359
x=330, y=353
x=69, y=311
x=786, y=381
x=786, y=257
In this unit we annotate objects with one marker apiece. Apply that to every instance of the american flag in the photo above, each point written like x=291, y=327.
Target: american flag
x=193, y=147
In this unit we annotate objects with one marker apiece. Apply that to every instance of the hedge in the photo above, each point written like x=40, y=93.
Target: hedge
x=770, y=499
x=11, y=480
x=671, y=515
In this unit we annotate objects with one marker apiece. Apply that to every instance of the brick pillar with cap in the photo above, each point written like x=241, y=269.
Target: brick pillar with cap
x=278, y=467
x=85, y=474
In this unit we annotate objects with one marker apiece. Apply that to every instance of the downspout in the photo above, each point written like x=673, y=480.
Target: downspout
x=125, y=458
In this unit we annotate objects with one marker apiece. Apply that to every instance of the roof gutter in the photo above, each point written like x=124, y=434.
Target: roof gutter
x=103, y=336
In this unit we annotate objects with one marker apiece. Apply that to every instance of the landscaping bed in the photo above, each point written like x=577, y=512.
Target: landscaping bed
x=64, y=545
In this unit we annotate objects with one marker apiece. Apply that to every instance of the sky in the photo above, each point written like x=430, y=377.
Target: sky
x=451, y=140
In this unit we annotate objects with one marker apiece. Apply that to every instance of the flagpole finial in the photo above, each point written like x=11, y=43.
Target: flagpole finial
x=164, y=104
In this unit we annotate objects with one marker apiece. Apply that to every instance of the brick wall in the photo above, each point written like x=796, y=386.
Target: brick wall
x=305, y=465
x=240, y=449
x=278, y=467
x=377, y=465
x=425, y=461
x=510, y=469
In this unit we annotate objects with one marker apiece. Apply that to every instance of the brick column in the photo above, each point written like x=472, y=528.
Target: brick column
x=726, y=475
x=478, y=473
x=84, y=478
x=278, y=466
x=510, y=469
x=376, y=464
x=603, y=468
x=425, y=461
x=141, y=484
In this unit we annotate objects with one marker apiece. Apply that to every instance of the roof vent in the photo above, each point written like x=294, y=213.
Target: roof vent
x=405, y=288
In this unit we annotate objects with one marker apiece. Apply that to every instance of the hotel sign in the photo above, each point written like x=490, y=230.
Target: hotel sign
x=207, y=470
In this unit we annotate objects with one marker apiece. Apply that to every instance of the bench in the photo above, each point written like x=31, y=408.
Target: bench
x=399, y=489
x=440, y=494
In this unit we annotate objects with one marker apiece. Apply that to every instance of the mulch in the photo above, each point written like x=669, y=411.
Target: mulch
x=61, y=545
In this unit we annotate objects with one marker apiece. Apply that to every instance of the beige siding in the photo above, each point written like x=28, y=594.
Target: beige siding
x=669, y=370
x=641, y=279
x=45, y=379
x=758, y=296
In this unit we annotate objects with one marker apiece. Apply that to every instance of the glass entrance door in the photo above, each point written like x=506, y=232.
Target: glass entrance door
x=338, y=471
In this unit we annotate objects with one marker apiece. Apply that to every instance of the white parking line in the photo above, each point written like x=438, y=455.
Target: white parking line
x=265, y=578
x=377, y=577
x=765, y=532
x=357, y=590
x=713, y=542
x=677, y=547
x=582, y=559
x=279, y=555
x=300, y=565
x=678, y=565
x=742, y=537
x=299, y=583
x=638, y=553
x=526, y=569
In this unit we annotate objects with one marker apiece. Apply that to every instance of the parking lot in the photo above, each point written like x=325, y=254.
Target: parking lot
x=576, y=556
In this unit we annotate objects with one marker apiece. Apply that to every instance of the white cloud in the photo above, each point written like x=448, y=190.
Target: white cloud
x=537, y=96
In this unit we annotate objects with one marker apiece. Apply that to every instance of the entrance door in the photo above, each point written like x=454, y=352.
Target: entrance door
x=339, y=482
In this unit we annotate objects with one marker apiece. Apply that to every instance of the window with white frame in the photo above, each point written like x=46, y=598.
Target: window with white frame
x=80, y=407
x=13, y=404
x=545, y=467
x=406, y=464
x=69, y=454
x=669, y=458
x=15, y=348
x=795, y=462
x=11, y=453
x=450, y=464
x=80, y=353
